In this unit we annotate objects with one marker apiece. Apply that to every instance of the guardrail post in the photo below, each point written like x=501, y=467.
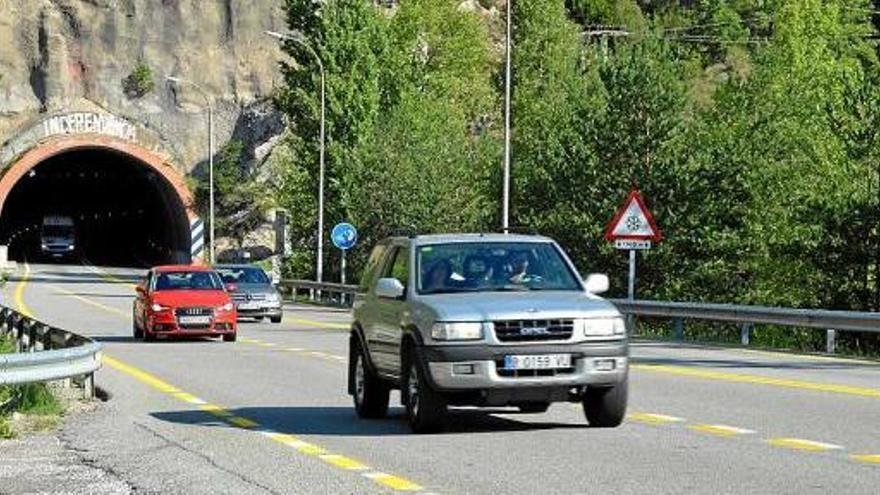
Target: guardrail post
x=830, y=341
x=89, y=386
x=745, y=333
x=678, y=329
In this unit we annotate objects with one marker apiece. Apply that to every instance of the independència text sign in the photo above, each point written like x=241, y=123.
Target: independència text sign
x=89, y=123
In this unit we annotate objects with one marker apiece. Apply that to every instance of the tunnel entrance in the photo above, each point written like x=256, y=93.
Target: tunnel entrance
x=122, y=210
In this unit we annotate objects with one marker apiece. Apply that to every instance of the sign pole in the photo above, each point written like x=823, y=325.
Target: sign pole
x=632, y=274
x=342, y=278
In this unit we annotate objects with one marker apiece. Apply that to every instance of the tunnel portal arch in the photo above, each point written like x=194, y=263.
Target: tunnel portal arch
x=80, y=144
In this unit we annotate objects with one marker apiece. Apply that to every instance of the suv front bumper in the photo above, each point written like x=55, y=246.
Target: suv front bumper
x=592, y=365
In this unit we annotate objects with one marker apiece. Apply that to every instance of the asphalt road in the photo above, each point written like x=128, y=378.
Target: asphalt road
x=269, y=414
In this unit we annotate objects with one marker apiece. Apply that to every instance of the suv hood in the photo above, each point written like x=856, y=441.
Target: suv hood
x=533, y=305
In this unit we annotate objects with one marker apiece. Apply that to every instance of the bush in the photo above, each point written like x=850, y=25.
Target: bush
x=139, y=82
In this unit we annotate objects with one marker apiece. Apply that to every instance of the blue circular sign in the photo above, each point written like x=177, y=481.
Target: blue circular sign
x=344, y=236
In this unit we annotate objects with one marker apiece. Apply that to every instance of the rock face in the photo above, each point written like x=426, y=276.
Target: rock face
x=68, y=55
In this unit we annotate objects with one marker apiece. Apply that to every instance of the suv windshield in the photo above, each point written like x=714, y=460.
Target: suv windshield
x=188, y=281
x=244, y=275
x=495, y=266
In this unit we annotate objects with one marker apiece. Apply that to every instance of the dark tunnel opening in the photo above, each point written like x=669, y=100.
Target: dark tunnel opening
x=123, y=213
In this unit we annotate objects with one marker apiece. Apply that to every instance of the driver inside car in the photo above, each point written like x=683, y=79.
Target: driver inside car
x=519, y=269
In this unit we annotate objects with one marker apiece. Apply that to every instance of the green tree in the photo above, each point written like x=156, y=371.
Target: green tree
x=240, y=200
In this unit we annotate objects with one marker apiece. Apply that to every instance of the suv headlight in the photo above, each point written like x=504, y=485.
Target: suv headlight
x=457, y=331
x=604, y=327
x=272, y=297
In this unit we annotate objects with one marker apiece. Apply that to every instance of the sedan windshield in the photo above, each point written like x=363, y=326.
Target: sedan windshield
x=188, y=281
x=244, y=275
x=495, y=266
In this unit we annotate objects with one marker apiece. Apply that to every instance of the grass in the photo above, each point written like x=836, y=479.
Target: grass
x=35, y=400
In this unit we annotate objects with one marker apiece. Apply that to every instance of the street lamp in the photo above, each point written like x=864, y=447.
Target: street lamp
x=204, y=94
x=300, y=39
x=505, y=214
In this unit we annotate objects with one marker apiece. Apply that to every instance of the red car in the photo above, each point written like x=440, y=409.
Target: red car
x=183, y=300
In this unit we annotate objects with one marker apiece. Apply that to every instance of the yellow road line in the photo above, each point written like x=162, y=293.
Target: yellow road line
x=19, y=292
x=320, y=324
x=142, y=376
x=306, y=448
x=872, y=393
x=392, y=481
x=720, y=430
x=869, y=458
x=342, y=462
x=242, y=422
x=801, y=444
x=653, y=419
x=90, y=302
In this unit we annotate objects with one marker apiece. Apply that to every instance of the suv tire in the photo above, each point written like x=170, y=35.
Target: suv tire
x=370, y=392
x=605, y=407
x=425, y=407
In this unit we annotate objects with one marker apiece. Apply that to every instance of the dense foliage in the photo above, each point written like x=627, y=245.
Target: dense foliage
x=750, y=126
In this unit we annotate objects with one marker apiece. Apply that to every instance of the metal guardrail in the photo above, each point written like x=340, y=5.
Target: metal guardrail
x=319, y=292
x=46, y=353
x=744, y=316
x=748, y=316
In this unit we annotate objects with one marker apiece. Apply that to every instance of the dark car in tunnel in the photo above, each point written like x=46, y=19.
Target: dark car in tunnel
x=183, y=301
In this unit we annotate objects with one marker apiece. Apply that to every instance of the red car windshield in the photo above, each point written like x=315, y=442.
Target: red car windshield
x=188, y=281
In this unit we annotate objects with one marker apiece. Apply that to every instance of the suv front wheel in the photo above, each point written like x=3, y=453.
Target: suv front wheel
x=370, y=392
x=605, y=407
x=425, y=407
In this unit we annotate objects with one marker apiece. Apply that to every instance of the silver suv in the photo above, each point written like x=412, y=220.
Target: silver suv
x=484, y=320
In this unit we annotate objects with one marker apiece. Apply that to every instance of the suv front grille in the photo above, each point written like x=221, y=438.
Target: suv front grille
x=533, y=330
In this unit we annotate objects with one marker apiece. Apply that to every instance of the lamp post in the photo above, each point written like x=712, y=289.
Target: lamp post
x=300, y=39
x=204, y=94
x=505, y=214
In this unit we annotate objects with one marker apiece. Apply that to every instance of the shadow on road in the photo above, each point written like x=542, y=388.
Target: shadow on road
x=342, y=421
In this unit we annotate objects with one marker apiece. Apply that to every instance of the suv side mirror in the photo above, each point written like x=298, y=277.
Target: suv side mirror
x=390, y=288
x=597, y=283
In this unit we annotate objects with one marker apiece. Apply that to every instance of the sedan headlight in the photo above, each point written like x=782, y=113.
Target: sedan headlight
x=604, y=327
x=157, y=308
x=457, y=331
x=226, y=307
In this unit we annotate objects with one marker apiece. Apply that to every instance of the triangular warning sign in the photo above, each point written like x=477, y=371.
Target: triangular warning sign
x=633, y=222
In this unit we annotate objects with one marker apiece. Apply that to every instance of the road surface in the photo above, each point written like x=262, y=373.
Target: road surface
x=269, y=414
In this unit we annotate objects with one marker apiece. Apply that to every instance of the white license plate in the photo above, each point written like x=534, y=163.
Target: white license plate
x=249, y=305
x=537, y=362
x=194, y=320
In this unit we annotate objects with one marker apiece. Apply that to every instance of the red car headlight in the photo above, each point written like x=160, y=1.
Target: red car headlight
x=158, y=308
x=226, y=307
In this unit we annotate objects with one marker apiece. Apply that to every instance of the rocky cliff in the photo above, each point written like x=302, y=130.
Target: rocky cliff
x=113, y=55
